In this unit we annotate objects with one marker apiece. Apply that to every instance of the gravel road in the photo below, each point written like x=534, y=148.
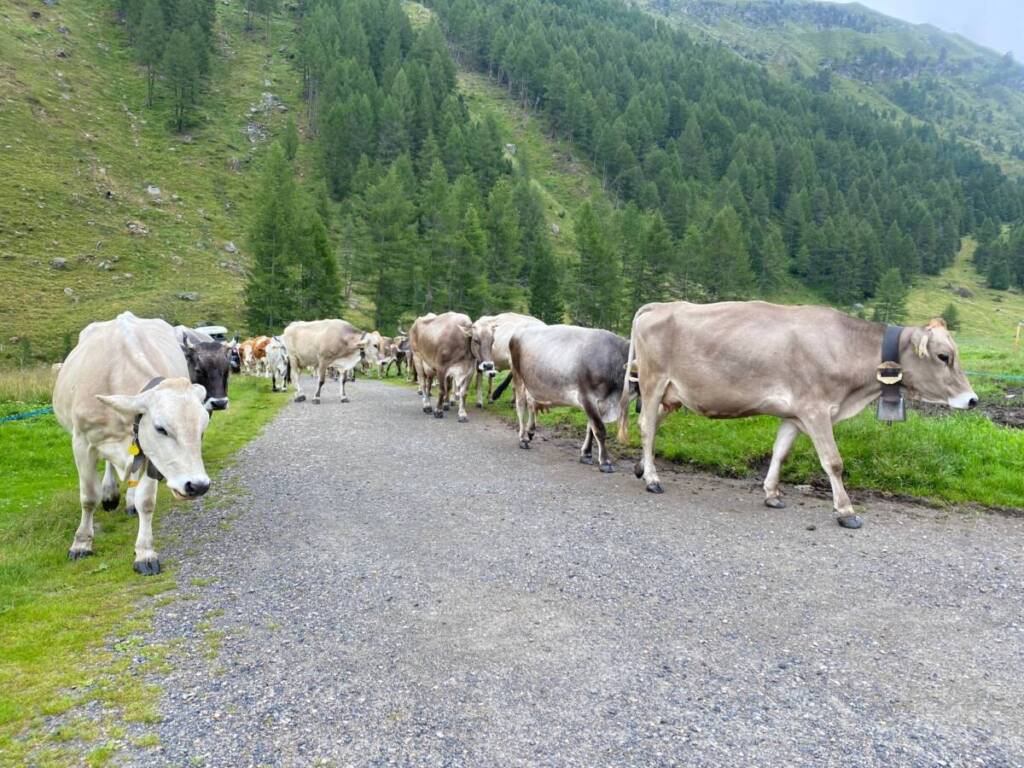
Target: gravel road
x=371, y=586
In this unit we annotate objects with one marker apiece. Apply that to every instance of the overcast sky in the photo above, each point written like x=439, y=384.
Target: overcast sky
x=997, y=24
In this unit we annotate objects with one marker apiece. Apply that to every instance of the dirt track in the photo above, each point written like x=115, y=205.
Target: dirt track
x=391, y=589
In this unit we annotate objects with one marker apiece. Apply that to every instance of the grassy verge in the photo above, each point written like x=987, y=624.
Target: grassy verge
x=68, y=630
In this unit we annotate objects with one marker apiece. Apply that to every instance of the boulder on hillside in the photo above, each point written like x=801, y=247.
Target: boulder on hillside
x=188, y=296
x=230, y=247
x=59, y=263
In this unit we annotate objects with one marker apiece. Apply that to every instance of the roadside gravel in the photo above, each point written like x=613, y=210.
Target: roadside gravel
x=382, y=588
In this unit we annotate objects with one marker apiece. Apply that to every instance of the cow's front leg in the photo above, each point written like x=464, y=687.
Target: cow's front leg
x=480, y=389
x=426, y=384
x=344, y=379
x=146, y=560
x=89, y=491
x=461, y=391
x=819, y=429
x=321, y=374
x=297, y=379
x=111, y=490
x=788, y=430
x=521, y=410
x=129, y=497
x=650, y=416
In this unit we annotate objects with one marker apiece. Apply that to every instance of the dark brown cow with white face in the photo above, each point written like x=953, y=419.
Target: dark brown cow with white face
x=568, y=365
x=810, y=366
x=442, y=348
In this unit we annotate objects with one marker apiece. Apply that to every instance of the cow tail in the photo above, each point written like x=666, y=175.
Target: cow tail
x=500, y=389
x=624, y=398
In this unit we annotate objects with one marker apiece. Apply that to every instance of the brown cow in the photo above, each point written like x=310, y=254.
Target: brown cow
x=810, y=366
x=322, y=344
x=442, y=348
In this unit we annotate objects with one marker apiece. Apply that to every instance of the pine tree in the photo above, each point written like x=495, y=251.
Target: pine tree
x=951, y=315
x=290, y=139
x=317, y=287
x=774, y=261
x=727, y=260
x=998, y=268
x=151, y=37
x=269, y=297
x=469, y=286
x=891, y=302
x=505, y=258
x=598, y=282
x=545, y=281
x=181, y=73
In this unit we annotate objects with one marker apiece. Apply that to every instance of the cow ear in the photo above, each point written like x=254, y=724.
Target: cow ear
x=919, y=340
x=126, y=405
x=468, y=332
x=200, y=392
x=361, y=344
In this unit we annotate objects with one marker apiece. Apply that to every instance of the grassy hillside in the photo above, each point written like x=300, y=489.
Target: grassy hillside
x=968, y=91
x=77, y=152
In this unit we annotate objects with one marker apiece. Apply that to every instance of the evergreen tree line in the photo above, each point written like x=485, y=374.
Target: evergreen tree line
x=1000, y=255
x=173, y=40
x=434, y=216
x=753, y=177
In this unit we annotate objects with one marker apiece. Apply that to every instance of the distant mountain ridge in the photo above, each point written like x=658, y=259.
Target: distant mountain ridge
x=964, y=89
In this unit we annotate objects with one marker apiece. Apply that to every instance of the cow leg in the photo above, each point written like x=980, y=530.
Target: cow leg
x=146, y=561
x=480, y=389
x=129, y=497
x=531, y=427
x=89, y=491
x=111, y=489
x=788, y=430
x=344, y=378
x=819, y=429
x=442, y=396
x=521, y=410
x=462, y=389
x=597, y=431
x=586, y=450
x=321, y=373
x=650, y=417
x=297, y=378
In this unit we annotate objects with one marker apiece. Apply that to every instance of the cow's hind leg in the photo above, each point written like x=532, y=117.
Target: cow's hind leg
x=344, y=378
x=597, y=431
x=146, y=560
x=819, y=429
x=650, y=416
x=521, y=410
x=586, y=449
x=442, y=395
x=111, y=490
x=297, y=378
x=321, y=373
x=788, y=430
x=89, y=491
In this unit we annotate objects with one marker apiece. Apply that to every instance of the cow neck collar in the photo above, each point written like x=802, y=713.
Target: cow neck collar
x=139, y=458
x=889, y=373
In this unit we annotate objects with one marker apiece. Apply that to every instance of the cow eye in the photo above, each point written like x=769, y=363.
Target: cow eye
x=944, y=358
x=161, y=431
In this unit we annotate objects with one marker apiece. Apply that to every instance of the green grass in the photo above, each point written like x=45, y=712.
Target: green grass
x=73, y=129
x=69, y=630
x=959, y=458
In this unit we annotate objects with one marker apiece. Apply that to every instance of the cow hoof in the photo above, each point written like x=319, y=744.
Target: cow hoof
x=300, y=399
x=775, y=503
x=109, y=504
x=438, y=414
x=344, y=399
x=131, y=511
x=479, y=405
x=655, y=488
x=78, y=554
x=447, y=406
x=638, y=469
x=148, y=567
x=463, y=419
x=586, y=459
x=607, y=467
x=315, y=401
x=850, y=521
x=530, y=434
x=427, y=409
x=419, y=393
x=524, y=444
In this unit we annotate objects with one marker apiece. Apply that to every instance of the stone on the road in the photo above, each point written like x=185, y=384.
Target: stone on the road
x=392, y=589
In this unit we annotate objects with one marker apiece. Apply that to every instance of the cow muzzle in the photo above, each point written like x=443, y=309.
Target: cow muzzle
x=192, y=488
x=217, y=404
x=487, y=368
x=964, y=401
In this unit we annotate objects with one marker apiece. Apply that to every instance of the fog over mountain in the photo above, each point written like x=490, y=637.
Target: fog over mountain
x=997, y=24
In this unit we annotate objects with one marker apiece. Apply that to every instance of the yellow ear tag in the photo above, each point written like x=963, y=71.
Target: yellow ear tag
x=133, y=483
x=133, y=449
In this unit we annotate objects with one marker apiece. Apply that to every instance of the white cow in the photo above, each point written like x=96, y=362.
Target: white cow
x=324, y=344
x=124, y=395
x=279, y=365
x=491, y=336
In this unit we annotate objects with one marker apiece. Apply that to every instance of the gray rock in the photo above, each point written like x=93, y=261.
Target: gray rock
x=188, y=296
x=230, y=247
x=555, y=229
x=59, y=263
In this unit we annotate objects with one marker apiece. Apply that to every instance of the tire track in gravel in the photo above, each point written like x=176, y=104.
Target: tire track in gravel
x=392, y=589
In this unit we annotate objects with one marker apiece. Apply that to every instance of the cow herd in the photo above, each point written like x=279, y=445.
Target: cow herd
x=138, y=393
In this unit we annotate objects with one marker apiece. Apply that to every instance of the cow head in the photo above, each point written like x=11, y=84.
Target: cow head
x=173, y=419
x=481, y=341
x=931, y=369
x=209, y=363
x=235, y=358
x=370, y=347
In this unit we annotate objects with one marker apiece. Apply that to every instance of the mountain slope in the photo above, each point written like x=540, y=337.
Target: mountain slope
x=80, y=236
x=966, y=90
